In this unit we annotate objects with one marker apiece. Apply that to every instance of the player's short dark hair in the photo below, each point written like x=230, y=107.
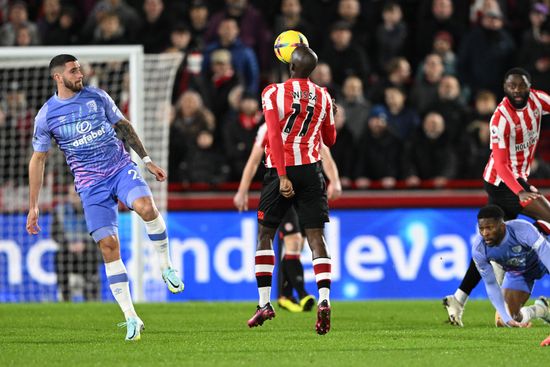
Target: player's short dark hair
x=518, y=71
x=490, y=212
x=61, y=60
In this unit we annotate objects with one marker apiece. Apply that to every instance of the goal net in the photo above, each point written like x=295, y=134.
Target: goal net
x=62, y=262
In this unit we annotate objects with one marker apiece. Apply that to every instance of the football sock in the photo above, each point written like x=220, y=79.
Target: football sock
x=461, y=297
x=322, y=268
x=532, y=312
x=295, y=272
x=118, y=282
x=265, y=262
x=156, y=230
x=471, y=279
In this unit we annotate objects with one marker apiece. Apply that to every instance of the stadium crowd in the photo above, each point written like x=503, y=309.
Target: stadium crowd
x=416, y=81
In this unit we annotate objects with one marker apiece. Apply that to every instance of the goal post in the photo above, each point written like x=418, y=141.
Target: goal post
x=141, y=85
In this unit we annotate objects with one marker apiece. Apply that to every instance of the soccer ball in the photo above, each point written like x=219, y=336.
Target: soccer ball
x=285, y=44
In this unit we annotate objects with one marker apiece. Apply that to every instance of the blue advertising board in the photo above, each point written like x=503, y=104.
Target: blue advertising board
x=377, y=254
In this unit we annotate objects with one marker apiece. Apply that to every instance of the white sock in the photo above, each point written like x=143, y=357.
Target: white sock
x=532, y=312
x=118, y=282
x=265, y=295
x=461, y=296
x=156, y=229
x=324, y=294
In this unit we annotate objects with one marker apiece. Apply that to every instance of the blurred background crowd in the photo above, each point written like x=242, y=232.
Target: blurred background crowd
x=416, y=81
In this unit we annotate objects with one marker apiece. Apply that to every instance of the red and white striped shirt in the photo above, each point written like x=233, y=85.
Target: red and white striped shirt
x=514, y=137
x=298, y=116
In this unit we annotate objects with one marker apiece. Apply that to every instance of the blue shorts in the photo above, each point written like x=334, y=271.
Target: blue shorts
x=522, y=282
x=100, y=202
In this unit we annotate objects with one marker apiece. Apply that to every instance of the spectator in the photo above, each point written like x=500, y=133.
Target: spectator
x=240, y=132
x=378, y=155
x=424, y=91
x=443, y=46
x=391, y=35
x=349, y=11
x=485, y=104
x=18, y=17
x=65, y=32
x=343, y=151
x=154, y=33
x=221, y=81
x=449, y=104
x=402, y=120
x=49, y=21
x=322, y=76
x=254, y=32
x=128, y=18
x=486, y=52
x=398, y=74
x=356, y=106
x=110, y=31
x=243, y=58
x=537, y=16
x=191, y=118
x=428, y=154
x=474, y=150
x=344, y=57
x=535, y=58
x=198, y=22
x=440, y=19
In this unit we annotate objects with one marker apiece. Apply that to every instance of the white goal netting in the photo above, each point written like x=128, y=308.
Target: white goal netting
x=62, y=262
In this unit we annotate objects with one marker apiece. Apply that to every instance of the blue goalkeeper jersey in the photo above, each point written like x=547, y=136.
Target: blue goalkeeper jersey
x=82, y=127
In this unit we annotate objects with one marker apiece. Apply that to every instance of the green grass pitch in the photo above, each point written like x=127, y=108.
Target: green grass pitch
x=395, y=333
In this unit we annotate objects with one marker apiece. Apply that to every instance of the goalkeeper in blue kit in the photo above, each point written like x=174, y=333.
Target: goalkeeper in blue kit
x=81, y=119
x=524, y=254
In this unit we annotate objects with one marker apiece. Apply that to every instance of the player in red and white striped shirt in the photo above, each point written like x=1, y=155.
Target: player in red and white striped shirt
x=515, y=130
x=299, y=118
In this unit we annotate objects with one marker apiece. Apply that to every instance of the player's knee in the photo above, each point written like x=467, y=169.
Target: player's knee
x=293, y=242
x=146, y=209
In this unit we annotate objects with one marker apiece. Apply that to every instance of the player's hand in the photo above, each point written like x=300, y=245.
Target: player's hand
x=334, y=190
x=285, y=187
x=156, y=171
x=525, y=196
x=32, y=221
x=545, y=342
x=240, y=200
x=514, y=323
x=334, y=106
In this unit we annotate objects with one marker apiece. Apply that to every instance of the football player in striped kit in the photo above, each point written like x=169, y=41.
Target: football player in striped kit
x=515, y=130
x=299, y=117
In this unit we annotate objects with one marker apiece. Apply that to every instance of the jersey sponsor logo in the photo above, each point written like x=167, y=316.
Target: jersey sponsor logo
x=516, y=262
x=92, y=106
x=83, y=127
x=526, y=145
x=89, y=137
x=304, y=94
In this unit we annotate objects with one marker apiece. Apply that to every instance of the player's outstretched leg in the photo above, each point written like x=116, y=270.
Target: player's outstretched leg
x=545, y=342
x=264, y=264
x=156, y=230
x=322, y=268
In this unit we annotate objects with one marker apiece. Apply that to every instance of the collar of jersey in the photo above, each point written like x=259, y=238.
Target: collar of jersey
x=68, y=99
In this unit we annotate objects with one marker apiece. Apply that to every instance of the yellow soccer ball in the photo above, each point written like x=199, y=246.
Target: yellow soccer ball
x=285, y=44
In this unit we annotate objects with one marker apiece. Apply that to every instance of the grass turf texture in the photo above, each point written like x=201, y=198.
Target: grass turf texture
x=396, y=333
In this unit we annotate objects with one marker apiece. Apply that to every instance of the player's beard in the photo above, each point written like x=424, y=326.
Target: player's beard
x=520, y=103
x=75, y=87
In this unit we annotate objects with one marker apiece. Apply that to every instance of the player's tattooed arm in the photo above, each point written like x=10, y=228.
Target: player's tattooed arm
x=129, y=134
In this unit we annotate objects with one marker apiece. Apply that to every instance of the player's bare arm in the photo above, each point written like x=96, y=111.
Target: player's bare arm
x=131, y=136
x=334, y=189
x=240, y=200
x=36, y=176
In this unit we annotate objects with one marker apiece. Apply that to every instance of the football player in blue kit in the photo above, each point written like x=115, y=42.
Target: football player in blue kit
x=524, y=254
x=81, y=119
